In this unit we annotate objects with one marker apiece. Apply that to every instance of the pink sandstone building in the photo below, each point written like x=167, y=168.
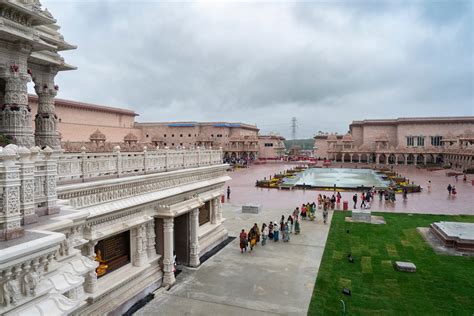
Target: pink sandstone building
x=271, y=147
x=101, y=128
x=447, y=140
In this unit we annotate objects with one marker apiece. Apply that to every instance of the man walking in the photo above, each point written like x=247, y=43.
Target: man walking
x=354, y=199
x=228, y=192
x=449, y=189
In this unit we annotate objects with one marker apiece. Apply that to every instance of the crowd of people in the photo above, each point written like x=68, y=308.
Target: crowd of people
x=276, y=230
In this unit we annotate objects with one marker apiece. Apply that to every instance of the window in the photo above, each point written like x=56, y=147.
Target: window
x=180, y=135
x=59, y=120
x=189, y=135
x=212, y=135
x=165, y=144
x=165, y=135
x=181, y=144
x=268, y=144
x=420, y=141
x=147, y=135
x=205, y=213
x=172, y=135
x=410, y=141
x=436, y=140
x=172, y=144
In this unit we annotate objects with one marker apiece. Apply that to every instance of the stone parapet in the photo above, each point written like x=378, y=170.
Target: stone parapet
x=86, y=166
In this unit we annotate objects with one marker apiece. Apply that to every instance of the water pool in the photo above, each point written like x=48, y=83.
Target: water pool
x=342, y=178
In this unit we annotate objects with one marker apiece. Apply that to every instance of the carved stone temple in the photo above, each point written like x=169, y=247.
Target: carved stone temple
x=88, y=233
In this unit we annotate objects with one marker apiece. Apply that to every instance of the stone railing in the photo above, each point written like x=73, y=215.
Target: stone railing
x=75, y=167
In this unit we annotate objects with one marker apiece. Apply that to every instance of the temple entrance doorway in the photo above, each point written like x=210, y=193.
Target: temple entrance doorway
x=181, y=239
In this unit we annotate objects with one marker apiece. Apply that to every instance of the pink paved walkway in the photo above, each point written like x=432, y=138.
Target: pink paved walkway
x=434, y=202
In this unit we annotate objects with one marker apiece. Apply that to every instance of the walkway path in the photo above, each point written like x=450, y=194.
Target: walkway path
x=275, y=279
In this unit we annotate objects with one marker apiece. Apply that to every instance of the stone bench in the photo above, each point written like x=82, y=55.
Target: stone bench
x=405, y=266
x=251, y=208
x=361, y=216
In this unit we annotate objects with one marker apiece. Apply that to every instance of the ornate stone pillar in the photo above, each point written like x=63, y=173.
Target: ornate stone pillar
x=396, y=159
x=213, y=211
x=10, y=215
x=50, y=159
x=194, y=244
x=27, y=188
x=15, y=113
x=140, y=241
x=405, y=156
x=150, y=236
x=415, y=159
x=350, y=155
x=219, y=209
x=168, y=256
x=359, y=155
x=46, y=131
x=377, y=159
x=90, y=283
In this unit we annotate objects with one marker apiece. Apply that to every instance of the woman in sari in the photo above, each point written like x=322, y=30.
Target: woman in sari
x=287, y=233
x=290, y=223
x=270, y=230
x=243, y=241
x=297, y=227
x=252, y=238
x=276, y=234
x=303, y=211
x=264, y=234
x=257, y=231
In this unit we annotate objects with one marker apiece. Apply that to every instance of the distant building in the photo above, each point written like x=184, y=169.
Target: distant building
x=448, y=140
x=238, y=140
x=100, y=128
x=271, y=147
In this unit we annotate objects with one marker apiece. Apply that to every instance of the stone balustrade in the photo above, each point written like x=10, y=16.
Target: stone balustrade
x=76, y=167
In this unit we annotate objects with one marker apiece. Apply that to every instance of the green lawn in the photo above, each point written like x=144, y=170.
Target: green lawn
x=442, y=285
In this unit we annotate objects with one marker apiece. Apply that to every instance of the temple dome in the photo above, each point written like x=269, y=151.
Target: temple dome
x=97, y=136
x=130, y=137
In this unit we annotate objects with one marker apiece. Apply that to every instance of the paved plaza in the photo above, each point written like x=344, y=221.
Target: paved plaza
x=275, y=279
x=434, y=202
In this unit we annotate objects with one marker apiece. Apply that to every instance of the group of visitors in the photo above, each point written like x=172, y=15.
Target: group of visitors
x=308, y=211
x=451, y=190
x=326, y=202
x=286, y=226
x=366, y=198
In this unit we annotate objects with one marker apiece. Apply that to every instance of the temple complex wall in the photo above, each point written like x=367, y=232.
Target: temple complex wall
x=431, y=129
x=372, y=132
x=321, y=147
x=77, y=121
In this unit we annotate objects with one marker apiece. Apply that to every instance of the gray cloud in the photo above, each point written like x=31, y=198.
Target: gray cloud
x=326, y=63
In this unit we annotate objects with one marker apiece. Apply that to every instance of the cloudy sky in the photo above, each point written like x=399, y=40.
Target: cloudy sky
x=324, y=62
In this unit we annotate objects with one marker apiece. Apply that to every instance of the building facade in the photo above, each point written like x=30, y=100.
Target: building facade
x=439, y=140
x=237, y=140
x=271, y=147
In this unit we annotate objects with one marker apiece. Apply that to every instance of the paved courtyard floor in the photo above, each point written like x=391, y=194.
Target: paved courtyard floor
x=435, y=202
x=275, y=279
